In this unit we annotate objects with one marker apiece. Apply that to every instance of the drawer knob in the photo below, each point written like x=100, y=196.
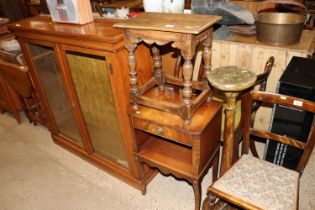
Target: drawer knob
x=159, y=130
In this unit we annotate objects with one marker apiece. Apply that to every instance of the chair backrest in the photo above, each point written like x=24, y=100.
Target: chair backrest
x=17, y=77
x=288, y=101
x=262, y=80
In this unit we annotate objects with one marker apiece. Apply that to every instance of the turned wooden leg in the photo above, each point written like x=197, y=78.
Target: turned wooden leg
x=132, y=74
x=197, y=191
x=206, y=55
x=157, y=64
x=187, y=90
x=228, y=145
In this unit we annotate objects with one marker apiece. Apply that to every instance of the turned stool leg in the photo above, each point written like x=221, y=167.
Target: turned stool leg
x=132, y=74
x=187, y=90
x=197, y=191
x=206, y=54
x=157, y=64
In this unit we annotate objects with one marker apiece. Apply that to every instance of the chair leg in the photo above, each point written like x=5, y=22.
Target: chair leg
x=197, y=191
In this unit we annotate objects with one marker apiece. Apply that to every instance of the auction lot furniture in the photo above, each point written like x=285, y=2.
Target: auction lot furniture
x=17, y=76
x=9, y=99
x=176, y=125
x=80, y=75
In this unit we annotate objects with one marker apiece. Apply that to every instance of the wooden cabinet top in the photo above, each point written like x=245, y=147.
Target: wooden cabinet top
x=43, y=28
x=182, y=23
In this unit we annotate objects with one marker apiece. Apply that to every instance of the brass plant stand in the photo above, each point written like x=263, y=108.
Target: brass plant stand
x=230, y=80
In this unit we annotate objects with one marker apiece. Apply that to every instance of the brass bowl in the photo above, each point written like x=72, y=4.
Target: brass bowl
x=279, y=28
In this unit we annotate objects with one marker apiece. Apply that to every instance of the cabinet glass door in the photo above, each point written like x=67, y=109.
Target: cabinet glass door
x=47, y=69
x=92, y=84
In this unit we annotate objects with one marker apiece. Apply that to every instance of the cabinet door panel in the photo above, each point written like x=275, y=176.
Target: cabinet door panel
x=92, y=85
x=47, y=69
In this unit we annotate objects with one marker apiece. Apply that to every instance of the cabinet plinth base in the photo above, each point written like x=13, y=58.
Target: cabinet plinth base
x=108, y=166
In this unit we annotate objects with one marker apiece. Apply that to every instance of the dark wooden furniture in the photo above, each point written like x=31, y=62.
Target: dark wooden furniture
x=185, y=32
x=11, y=10
x=17, y=76
x=9, y=99
x=231, y=80
x=252, y=183
x=79, y=73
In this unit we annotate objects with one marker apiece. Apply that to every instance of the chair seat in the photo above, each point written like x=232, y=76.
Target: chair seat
x=260, y=183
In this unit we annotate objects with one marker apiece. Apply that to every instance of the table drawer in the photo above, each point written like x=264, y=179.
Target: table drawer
x=164, y=131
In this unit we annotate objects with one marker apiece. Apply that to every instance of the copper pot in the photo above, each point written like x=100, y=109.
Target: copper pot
x=279, y=28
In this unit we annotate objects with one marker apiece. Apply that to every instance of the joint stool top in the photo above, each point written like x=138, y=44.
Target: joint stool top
x=231, y=78
x=170, y=22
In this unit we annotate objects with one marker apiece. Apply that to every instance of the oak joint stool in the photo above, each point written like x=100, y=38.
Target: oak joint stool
x=185, y=32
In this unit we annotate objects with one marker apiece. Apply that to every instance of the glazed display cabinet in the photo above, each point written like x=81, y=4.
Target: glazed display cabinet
x=81, y=75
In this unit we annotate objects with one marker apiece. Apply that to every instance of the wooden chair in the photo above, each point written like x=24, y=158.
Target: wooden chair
x=17, y=77
x=252, y=183
x=262, y=83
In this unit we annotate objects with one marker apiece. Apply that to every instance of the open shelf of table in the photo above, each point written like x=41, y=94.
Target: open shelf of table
x=168, y=154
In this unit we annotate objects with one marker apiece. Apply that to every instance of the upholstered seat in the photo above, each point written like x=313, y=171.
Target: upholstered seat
x=250, y=180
